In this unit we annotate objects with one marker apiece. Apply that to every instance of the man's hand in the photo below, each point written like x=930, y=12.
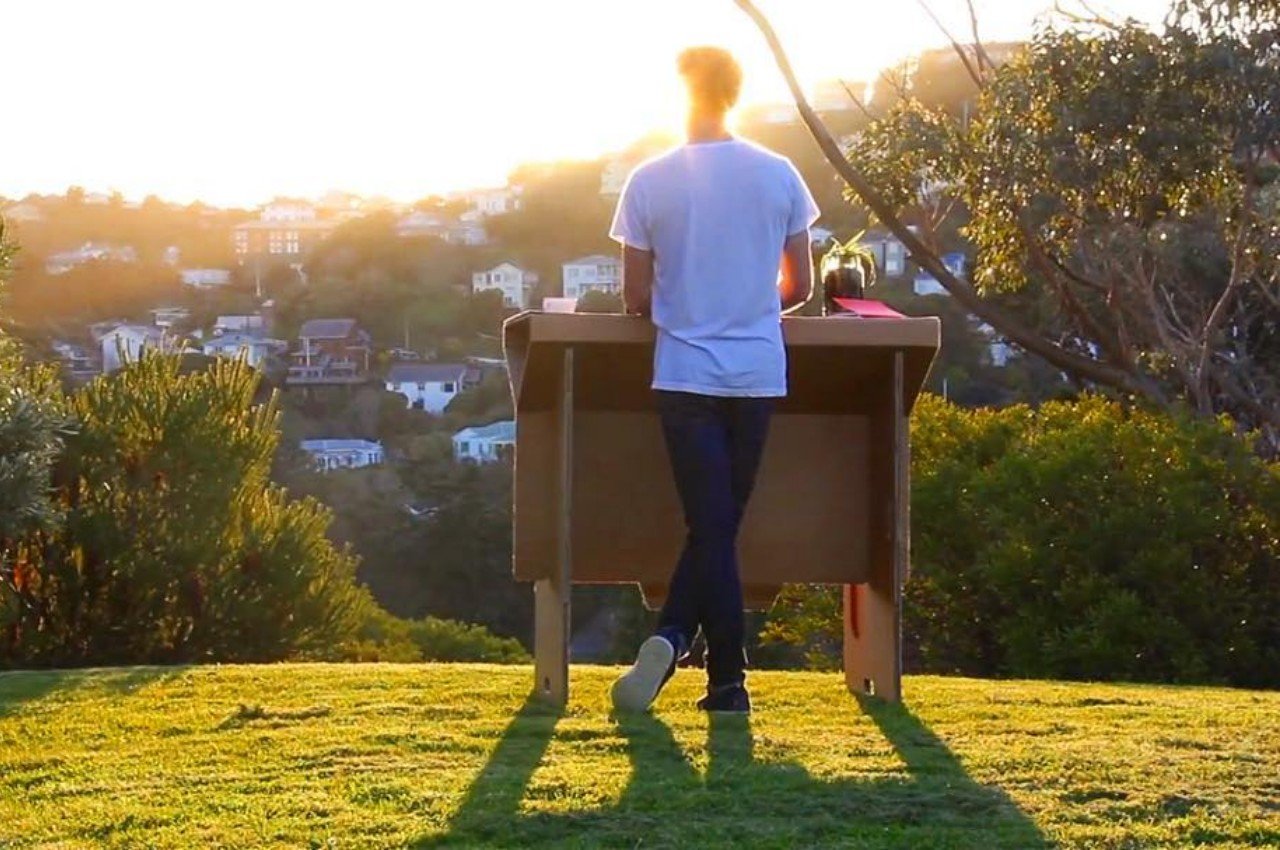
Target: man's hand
x=637, y=281
x=796, y=285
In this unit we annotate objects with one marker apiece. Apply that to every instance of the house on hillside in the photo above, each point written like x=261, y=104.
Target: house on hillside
x=926, y=284
x=471, y=233
x=77, y=361
x=256, y=350
x=485, y=443
x=513, y=282
x=126, y=344
x=90, y=252
x=596, y=273
x=330, y=351
x=329, y=455
x=285, y=232
x=166, y=317
x=427, y=386
x=890, y=253
x=423, y=223
x=205, y=278
x=487, y=202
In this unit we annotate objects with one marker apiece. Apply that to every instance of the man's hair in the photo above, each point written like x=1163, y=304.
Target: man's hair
x=713, y=76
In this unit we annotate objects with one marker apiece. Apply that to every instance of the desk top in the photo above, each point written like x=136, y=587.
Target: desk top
x=611, y=328
x=834, y=363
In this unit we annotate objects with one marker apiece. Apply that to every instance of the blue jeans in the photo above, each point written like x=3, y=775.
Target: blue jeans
x=715, y=445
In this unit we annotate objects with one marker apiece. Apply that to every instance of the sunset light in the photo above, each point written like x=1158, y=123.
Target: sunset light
x=236, y=101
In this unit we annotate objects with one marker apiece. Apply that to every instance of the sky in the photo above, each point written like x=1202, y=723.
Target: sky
x=235, y=101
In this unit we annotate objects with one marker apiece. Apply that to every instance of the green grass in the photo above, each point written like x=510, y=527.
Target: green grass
x=437, y=755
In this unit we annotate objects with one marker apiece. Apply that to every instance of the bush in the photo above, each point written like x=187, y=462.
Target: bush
x=1083, y=540
x=384, y=637
x=173, y=544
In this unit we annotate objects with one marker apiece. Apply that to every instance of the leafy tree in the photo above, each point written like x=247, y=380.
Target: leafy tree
x=31, y=428
x=1118, y=198
x=174, y=545
x=1081, y=540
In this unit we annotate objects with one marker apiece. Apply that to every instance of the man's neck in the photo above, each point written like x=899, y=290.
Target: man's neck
x=705, y=127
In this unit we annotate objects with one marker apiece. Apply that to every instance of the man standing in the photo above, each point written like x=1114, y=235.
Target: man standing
x=705, y=229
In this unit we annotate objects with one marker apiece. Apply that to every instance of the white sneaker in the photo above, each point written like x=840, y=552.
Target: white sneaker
x=636, y=689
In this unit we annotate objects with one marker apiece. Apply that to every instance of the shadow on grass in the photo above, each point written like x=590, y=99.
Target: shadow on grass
x=739, y=800
x=19, y=688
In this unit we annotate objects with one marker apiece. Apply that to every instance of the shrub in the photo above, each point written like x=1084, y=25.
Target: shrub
x=174, y=545
x=385, y=637
x=1085, y=540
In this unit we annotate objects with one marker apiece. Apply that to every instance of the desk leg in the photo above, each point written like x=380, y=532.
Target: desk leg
x=873, y=611
x=551, y=595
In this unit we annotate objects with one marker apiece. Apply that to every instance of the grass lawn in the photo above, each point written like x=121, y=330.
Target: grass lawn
x=452, y=755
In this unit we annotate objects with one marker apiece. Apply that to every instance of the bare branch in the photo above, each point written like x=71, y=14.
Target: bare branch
x=1004, y=322
x=974, y=73
x=856, y=101
x=1089, y=18
x=983, y=57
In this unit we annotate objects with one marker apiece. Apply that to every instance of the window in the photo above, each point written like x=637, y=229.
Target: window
x=291, y=242
x=422, y=388
x=448, y=386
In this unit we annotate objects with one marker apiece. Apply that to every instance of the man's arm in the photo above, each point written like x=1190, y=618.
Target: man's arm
x=637, y=280
x=796, y=285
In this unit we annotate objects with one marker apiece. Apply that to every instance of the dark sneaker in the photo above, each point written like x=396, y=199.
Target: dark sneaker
x=636, y=689
x=728, y=699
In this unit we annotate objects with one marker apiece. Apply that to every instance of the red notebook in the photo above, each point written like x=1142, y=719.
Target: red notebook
x=865, y=308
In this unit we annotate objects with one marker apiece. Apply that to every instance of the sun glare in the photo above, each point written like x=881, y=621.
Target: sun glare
x=236, y=101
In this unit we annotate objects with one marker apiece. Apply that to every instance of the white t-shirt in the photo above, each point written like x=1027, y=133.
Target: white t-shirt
x=716, y=215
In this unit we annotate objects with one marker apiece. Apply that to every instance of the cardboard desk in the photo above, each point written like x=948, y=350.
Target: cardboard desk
x=595, y=501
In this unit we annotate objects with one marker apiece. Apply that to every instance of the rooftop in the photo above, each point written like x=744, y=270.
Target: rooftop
x=502, y=431
x=591, y=260
x=425, y=373
x=327, y=328
x=340, y=445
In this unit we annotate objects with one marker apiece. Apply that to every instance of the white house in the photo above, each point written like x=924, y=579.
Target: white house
x=167, y=317
x=282, y=210
x=487, y=202
x=64, y=261
x=253, y=324
x=596, y=273
x=343, y=454
x=890, y=253
x=427, y=386
x=999, y=351
x=471, y=233
x=254, y=349
x=513, y=282
x=126, y=344
x=927, y=284
x=485, y=443
x=422, y=223
x=205, y=278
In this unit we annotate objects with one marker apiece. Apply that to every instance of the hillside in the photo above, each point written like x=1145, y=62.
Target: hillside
x=396, y=755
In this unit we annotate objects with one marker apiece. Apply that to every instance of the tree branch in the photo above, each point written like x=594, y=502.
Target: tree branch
x=983, y=57
x=1009, y=327
x=975, y=74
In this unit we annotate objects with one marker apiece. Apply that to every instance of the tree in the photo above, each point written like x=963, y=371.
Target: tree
x=1079, y=540
x=1117, y=192
x=174, y=545
x=31, y=428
